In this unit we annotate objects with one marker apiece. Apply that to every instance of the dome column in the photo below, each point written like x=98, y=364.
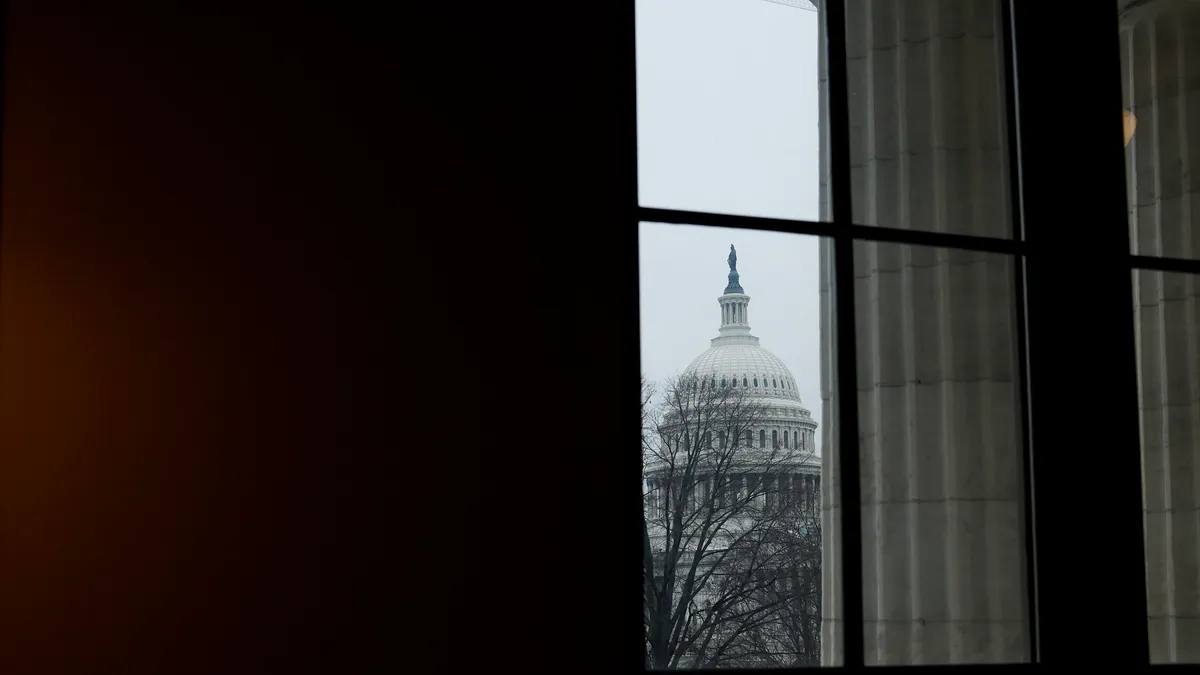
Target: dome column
x=735, y=312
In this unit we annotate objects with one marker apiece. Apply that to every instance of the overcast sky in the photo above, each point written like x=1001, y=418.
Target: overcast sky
x=727, y=122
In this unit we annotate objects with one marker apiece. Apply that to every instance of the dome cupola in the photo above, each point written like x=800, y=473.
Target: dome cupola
x=735, y=356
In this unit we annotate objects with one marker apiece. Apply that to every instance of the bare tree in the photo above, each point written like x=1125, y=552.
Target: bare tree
x=731, y=572
x=794, y=638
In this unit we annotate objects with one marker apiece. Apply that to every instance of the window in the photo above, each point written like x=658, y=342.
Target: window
x=762, y=438
x=1159, y=64
x=774, y=438
x=964, y=305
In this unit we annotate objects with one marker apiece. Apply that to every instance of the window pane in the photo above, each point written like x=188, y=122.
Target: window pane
x=941, y=457
x=1168, y=335
x=747, y=514
x=1160, y=76
x=727, y=106
x=928, y=135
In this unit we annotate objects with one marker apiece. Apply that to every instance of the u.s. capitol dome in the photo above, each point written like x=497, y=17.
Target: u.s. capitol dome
x=735, y=358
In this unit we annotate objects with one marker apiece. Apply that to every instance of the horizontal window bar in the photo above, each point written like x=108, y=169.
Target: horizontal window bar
x=1148, y=262
x=886, y=234
x=835, y=230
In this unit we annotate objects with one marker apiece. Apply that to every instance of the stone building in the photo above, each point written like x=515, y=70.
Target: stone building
x=763, y=452
x=1160, y=76
x=943, y=571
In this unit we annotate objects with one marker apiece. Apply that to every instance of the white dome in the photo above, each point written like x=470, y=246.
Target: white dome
x=753, y=367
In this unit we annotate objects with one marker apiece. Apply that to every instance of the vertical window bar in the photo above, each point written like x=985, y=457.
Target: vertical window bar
x=847, y=358
x=1079, y=290
x=632, y=513
x=1010, y=105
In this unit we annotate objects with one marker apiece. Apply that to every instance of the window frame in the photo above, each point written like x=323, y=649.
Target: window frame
x=1048, y=259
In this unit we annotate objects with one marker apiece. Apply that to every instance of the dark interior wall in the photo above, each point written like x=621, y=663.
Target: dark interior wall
x=218, y=451
x=194, y=446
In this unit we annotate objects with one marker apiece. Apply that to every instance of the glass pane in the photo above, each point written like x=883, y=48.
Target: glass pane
x=727, y=106
x=1160, y=76
x=944, y=577
x=732, y=513
x=928, y=134
x=1168, y=334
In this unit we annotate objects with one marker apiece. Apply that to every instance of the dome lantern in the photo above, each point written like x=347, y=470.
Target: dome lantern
x=735, y=309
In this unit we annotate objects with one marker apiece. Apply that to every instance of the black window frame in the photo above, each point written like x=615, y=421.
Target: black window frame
x=1064, y=239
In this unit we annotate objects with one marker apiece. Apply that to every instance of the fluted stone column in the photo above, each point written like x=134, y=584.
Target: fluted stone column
x=943, y=573
x=1169, y=403
x=1160, y=64
x=1160, y=75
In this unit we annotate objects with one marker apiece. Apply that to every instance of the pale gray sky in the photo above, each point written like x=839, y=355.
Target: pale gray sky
x=727, y=122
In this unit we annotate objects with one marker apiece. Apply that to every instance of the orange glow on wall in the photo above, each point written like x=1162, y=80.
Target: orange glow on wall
x=1130, y=125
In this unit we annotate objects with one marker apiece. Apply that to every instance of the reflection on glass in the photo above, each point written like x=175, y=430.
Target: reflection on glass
x=944, y=578
x=727, y=106
x=731, y=474
x=1168, y=339
x=928, y=134
x=1160, y=77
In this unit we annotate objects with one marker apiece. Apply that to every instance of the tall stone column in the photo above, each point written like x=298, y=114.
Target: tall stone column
x=942, y=504
x=1160, y=72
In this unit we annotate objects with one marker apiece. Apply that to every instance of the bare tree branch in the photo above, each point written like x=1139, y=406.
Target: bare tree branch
x=731, y=532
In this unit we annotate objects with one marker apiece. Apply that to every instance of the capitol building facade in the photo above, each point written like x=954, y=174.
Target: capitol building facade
x=732, y=484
